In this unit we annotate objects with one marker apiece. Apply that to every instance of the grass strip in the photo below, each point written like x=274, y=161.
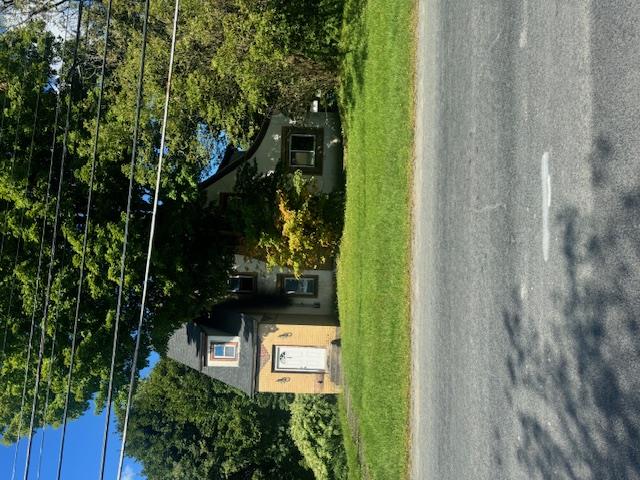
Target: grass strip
x=376, y=98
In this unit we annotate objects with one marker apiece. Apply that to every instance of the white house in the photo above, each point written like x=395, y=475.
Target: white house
x=291, y=345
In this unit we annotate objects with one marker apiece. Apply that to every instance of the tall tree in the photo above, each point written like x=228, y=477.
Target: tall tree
x=209, y=430
x=235, y=61
x=189, y=263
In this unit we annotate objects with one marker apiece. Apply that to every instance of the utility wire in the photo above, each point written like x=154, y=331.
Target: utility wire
x=11, y=173
x=54, y=238
x=4, y=103
x=123, y=255
x=39, y=269
x=86, y=233
x=150, y=247
x=52, y=358
x=40, y=256
x=35, y=303
x=18, y=245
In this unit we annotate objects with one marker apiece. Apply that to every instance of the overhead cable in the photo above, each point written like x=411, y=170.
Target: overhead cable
x=54, y=238
x=123, y=255
x=27, y=362
x=52, y=359
x=150, y=246
x=85, y=238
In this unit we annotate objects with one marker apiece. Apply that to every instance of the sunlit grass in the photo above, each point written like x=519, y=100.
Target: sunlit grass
x=376, y=96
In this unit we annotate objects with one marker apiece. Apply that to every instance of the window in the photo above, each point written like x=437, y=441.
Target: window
x=306, y=286
x=223, y=351
x=229, y=200
x=302, y=148
x=241, y=283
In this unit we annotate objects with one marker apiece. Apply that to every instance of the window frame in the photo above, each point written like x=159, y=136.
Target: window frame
x=318, y=133
x=211, y=356
x=281, y=282
x=252, y=275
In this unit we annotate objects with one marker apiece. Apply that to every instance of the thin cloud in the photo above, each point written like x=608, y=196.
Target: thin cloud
x=128, y=473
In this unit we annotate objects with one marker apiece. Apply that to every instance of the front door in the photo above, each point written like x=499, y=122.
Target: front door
x=300, y=359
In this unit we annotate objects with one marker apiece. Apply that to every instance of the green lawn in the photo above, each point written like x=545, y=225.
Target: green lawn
x=376, y=97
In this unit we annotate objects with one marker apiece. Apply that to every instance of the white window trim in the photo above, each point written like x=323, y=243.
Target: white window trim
x=226, y=361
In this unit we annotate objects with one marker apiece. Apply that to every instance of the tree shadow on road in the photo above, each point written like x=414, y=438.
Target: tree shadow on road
x=575, y=390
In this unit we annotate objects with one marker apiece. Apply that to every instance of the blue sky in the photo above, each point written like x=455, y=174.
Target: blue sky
x=83, y=447
x=215, y=147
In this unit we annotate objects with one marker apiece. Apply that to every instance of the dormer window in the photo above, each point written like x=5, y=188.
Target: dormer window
x=227, y=351
x=222, y=351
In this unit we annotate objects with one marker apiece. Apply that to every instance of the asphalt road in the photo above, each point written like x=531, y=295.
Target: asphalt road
x=526, y=249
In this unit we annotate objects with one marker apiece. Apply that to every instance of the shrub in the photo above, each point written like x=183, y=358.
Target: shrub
x=286, y=221
x=315, y=429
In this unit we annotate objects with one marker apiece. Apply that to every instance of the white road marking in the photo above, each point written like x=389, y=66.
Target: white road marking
x=523, y=38
x=489, y=208
x=548, y=189
x=545, y=177
x=523, y=292
x=525, y=23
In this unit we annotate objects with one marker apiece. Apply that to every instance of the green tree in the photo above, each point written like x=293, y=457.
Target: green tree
x=280, y=61
x=315, y=429
x=189, y=262
x=209, y=430
x=285, y=219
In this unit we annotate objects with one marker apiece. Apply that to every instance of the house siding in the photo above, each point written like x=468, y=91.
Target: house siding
x=187, y=346
x=267, y=284
x=272, y=334
x=269, y=152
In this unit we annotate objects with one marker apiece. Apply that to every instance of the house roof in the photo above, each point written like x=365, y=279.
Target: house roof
x=187, y=346
x=233, y=157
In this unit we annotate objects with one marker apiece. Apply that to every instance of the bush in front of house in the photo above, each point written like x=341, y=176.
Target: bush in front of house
x=285, y=220
x=315, y=429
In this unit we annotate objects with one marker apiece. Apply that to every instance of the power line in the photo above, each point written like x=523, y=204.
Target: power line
x=150, y=247
x=86, y=233
x=50, y=373
x=39, y=269
x=37, y=279
x=11, y=173
x=53, y=246
x=37, y=287
x=18, y=245
x=126, y=236
x=35, y=302
x=4, y=103
x=52, y=358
